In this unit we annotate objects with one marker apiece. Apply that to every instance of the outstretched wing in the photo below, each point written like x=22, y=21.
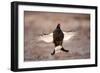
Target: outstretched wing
x=49, y=38
x=46, y=38
x=68, y=35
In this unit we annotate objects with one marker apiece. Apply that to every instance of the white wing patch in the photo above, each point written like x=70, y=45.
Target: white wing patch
x=68, y=35
x=49, y=38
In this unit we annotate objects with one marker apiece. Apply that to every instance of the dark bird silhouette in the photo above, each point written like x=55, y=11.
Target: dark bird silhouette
x=58, y=37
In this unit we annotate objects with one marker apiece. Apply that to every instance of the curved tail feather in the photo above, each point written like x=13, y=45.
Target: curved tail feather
x=58, y=49
x=64, y=50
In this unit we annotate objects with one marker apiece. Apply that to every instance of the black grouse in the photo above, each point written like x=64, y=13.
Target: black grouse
x=58, y=37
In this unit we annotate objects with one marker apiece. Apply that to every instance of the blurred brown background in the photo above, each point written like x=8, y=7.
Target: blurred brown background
x=39, y=23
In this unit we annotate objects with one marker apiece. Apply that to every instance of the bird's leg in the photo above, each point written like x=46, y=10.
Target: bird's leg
x=64, y=50
x=53, y=52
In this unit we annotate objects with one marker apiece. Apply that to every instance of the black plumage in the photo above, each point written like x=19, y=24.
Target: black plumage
x=58, y=37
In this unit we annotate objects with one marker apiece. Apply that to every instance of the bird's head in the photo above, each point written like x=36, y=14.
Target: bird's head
x=58, y=26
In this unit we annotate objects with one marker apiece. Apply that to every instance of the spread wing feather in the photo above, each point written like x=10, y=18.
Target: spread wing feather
x=49, y=38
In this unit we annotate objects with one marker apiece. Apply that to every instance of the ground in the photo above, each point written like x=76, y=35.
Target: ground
x=40, y=23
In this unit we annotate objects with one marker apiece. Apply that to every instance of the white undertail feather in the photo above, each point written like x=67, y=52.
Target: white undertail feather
x=49, y=38
x=58, y=49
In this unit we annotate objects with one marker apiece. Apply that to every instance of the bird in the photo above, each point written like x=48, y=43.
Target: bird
x=57, y=37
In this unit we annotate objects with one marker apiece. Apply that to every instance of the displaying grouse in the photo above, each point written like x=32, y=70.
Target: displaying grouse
x=58, y=37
